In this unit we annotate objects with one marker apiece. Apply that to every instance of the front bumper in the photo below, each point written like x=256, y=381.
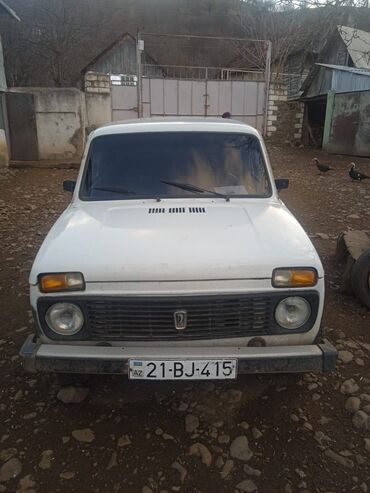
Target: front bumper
x=114, y=360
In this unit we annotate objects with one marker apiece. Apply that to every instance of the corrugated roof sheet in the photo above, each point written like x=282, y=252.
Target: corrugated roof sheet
x=358, y=45
x=353, y=70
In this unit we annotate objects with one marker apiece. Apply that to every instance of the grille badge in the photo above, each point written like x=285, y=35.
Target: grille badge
x=180, y=318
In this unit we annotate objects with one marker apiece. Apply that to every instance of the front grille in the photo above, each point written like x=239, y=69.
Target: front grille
x=208, y=317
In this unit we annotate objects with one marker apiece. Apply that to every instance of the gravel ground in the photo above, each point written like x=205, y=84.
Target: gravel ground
x=265, y=434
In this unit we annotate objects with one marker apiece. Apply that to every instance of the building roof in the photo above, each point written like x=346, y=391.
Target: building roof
x=353, y=70
x=325, y=77
x=358, y=45
x=5, y=8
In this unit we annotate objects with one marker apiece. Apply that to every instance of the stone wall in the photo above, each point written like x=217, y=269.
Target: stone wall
x=97, y=83
x=284, y=117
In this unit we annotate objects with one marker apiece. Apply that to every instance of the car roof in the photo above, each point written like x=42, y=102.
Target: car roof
x=178, y=124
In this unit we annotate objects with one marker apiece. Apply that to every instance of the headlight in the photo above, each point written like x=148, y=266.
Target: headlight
x=65, y=318
x=292, y=312
x=54, y=283
x=294, y=278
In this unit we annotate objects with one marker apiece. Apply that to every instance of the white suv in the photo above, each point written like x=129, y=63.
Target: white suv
x=177, y=260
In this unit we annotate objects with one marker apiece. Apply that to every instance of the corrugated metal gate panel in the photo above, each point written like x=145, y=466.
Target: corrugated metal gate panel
x=172, y=97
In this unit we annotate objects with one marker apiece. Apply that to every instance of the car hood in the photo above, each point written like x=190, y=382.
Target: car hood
x=109, y=241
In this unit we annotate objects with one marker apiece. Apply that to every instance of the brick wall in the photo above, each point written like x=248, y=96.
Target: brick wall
x=284, y=118
x=97, y=83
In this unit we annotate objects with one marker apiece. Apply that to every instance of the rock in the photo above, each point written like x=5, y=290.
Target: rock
x=113, y=461
x=247, y=486
x=256, y=433
x=123, y=441
x=191, y=423
x=251, y=471
x=166, y=436
x=181, y=469
x=67, y=475
x=349, y=387
x=352, y=404
x=361, y=420
x=345, y=356
x=323, y=236
x=294, y=418
x=85, y=435
x=244, y=425
x=343, y=461
x=220, y=462
x=200, y=450
x=226, y=470
x=223, y=439
x=18, y=396
x=73, y=395
x=11, y=469
x=239, y=449
x=146, y=489
x=367, y=444
x=45, y=462
x=26, y=485
x=7, y=454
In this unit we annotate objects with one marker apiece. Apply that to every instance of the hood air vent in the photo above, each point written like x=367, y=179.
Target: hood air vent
x=177, y=210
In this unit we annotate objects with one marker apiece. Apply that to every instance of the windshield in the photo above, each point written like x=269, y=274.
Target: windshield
x=173, y=165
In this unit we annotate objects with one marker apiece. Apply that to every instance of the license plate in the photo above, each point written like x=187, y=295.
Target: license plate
x=210, y=369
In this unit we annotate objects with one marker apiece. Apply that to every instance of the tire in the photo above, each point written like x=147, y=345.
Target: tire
x=360, y=278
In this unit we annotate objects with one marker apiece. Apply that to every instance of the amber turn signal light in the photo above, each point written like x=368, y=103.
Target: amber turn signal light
x=294, y=278
x=54, y=283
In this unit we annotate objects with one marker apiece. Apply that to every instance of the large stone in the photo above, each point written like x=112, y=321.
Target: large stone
x=352, y=404
x=349, y=387
x=73, y=395
x=10, y=470
x=239, y=449
x=46, y=457
x=247, y=486
x=361, y=420
x=85, y=435
x=345, y=356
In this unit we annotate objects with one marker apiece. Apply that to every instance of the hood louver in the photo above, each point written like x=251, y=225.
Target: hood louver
x=177, y=210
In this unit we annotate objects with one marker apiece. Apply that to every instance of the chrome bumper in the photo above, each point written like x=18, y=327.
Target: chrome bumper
x=110, y=360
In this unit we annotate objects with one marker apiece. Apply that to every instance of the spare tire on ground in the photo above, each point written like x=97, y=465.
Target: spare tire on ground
x=360, y=278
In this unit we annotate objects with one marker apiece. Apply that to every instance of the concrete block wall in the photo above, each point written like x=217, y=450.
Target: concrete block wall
x=97, y=83
x=60, y=121
x=284, y=118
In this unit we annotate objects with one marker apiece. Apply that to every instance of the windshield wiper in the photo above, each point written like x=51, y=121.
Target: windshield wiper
x=123, y=191
x=195, y=189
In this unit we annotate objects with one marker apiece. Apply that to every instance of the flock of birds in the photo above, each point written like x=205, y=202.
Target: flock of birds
x=354, y=173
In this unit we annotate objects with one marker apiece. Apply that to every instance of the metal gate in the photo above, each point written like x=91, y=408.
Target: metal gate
x=22, y=126
x=245, y=100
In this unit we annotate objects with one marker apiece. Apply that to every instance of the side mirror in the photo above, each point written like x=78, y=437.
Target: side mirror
x=282, y=183
x=69, y=186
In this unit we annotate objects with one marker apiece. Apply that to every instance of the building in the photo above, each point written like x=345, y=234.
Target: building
x=343, y=67
x=4, y=153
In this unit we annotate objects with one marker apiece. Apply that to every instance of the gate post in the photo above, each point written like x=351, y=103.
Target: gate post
x=267, y=85
x=139, y=50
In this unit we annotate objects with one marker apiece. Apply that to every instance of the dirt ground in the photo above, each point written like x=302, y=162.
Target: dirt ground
x=301, y=437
